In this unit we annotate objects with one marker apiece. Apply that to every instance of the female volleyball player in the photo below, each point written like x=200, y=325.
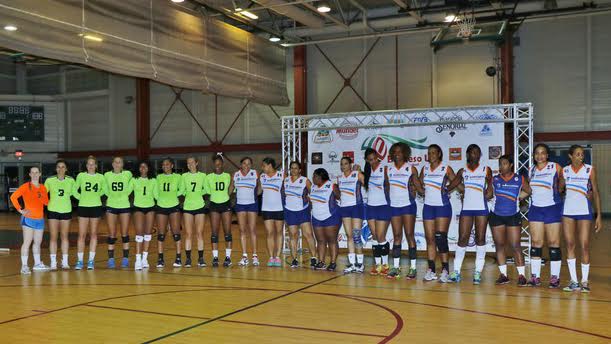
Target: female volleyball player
x=437, y=211
x=217, y=184
x=59, y=212
x=193, y=210
x=245, y=182
x=35, y=198
x=167, y=191
x=544, y=215
x=144, y=212
x=117, y=206
x=378, y=209
x=581, y=187
x=325, y=217
x=89, y=188
x=297, y=214
x=476, y=181
x=505, y=217
x=270, y=186
x=403, y=180
x=352, y=212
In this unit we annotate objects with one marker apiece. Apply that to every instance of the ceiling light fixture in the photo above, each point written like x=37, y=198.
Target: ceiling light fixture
x=249, y=15
x=323, y=7
x=91, y=37
x=274, y=39
x=450, y=18
x=177, y=1
x=10, y=28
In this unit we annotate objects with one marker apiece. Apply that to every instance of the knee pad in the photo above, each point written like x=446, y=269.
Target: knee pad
x=228, y=237
x=214, y=239
x=125, y=239
x=357, y=236
x=148, y=237
x=176, y=237
x=413, y=253
x=441, y=240
x=377, y=250
x=536, y=251
x=396, y=251
x=139, y=238
x=111, y=241
x=555, y=254
x=161, y=237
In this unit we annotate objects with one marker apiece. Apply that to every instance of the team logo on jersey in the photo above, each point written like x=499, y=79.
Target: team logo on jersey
x=455, y=154
x=381, y=143
x=332, y=156
x=323, y=136
x=486, y=131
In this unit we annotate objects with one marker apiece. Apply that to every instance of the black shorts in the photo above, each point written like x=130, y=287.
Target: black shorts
x=166, y=211
x=220, y=207
x=143, y=210
x=509, y=221
x=91, y=212
x=51, y=215
x=273, y=215
x=118, y=211
x=199, y=211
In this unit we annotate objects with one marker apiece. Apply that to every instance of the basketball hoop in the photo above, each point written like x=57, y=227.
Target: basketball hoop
x=465, y=24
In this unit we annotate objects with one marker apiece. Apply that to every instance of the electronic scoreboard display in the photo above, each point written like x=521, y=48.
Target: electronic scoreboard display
x=22, y=123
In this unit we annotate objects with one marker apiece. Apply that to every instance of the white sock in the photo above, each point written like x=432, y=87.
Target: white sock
x=378, y=260
x=459, y=256
x=359, y=258
x=396, y=262
x=384, y=260
x=535, y=266
x=227, y=252
x=244, y=255
x=521, y=270
x=37, y=258
x=145, y=255
x=138, y=257
x=585, y=271
x=503, y=269
x=24, y=260
x=53, y=259
x=351, y=258
x=91, y=256
x=65, y=258
x=215, y=253
x=555, y=268
x=572, y=268
x=80, y=256
x=412, y=263
x=480, y=258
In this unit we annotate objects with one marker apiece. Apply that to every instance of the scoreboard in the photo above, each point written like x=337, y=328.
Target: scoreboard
x=22, y=123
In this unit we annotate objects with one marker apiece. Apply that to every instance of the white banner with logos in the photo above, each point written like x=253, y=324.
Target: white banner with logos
x=326, y=148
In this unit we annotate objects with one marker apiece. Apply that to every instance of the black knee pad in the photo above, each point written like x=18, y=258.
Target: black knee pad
x=111, y=241
x=396, y=251
x=413, y=253
x=555, y=254
x=176, y=237
x=214, y=239
x=536, y=251
x=377, y=250
x=441, y=240
x=125, y=239
x=228, y=237
x=161, y=237
x=386, y=249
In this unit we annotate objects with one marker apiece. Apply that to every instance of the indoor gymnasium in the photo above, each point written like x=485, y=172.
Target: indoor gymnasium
x=359, y=171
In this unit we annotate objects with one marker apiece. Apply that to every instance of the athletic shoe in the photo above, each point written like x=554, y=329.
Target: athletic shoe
x=411, y=274
x=394, y=273
x=313, y=262
x=502, y=279
x=124, y=262
x=477, y=277
x=90, y=265
x=188, y=263
x=375, y=270
x=294, y=263
x=444, y=277
x=321, y=266
x=573, y=286
x=25, y=270
x=534, y=281
x=244, y=261
x=331, y=267
x=384, y=269
x=53, y=266
x=160, y=262
x=554, y=282
x=79, y=265
x=227, y=262
x=65, y=266
x=359, y=268
x=40, y=267
x=350, y=269
x=111, y=263
x=277, y=262
x=430, y=275
x=255, y=260
x=138, y=265
x=271, y=263
x=177, y=263
x=585, y=287
x=145, y=263
x=455, y=277
x=522, y=282
x=215, y=262
x=201, y=263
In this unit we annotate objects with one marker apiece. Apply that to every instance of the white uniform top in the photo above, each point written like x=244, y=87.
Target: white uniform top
x=295, y=192
x=578, y=184
x=435, y=190
x=398, y=178
x=246, y=187
x=543, y=183
x=475, y=184
x=376, y=195
x=272, y=196
x=350, y=188
x=323, y=201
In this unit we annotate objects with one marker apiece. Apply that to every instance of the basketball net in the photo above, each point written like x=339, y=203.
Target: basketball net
x=465, y=24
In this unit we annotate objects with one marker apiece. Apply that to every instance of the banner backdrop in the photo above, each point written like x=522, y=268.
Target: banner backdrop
x=327, y=147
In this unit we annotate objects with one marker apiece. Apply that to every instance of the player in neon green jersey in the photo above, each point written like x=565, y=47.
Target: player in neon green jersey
x=217, y=184
x=144, y=213
x=59, y=212
x=194, y=212
x=168, y=189
x=89, y=188
x=117, y=206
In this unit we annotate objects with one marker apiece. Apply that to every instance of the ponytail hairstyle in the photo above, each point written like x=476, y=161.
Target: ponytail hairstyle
x=270, y=161
x=573, y=148
x=367, y=168
x=218, y=156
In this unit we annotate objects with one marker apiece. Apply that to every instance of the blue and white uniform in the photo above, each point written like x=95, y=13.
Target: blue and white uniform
x=401, y=195
x=546, y=204
x=271, y=205
x=474, y=202
x=351, y=201
x=578, y=183
x=506, y=210
x=325, y=211
x=378, y=205
x=246, y=191
x=436, y=199
x=296, y=205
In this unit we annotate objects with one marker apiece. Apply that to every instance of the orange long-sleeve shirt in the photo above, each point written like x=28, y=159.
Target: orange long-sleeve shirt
x=35, y=199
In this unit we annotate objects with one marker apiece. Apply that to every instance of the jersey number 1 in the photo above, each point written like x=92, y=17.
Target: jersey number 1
x=166, y=187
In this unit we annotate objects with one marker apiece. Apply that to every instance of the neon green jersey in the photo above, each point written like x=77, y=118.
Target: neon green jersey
x=119, y=188
x=144, y=192
x=89, y=189
x=218, y=187
x=194, y=186
x=168, y=189
x=59, y=194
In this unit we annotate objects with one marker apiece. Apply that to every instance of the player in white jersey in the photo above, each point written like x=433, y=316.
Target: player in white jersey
x=581, y=188
x=325, y=217
x=403, y=182
x=297, y=212
x=352, y=212
x=545, y=215
x=475, y=181
x=244, y=183
x=437, y=211
x=270, y=187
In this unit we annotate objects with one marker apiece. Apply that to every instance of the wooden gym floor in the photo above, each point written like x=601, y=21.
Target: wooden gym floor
x=239, y=305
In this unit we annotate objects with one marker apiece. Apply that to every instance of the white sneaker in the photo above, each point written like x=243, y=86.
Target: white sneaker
x=145, y=263
x=255, y=260
x=65, y=266
x=244, y=261
x=138, y=265
x=54, y=266
x=350, y=269
x=40, y=267
x=430, y=275
x=360, y=268
x=444, y=277
x=25, y=270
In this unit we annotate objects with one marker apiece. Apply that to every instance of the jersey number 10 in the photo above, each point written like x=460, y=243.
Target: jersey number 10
x=220, y=186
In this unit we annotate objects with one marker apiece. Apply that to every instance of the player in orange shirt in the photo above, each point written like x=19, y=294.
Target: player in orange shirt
x=35, y=198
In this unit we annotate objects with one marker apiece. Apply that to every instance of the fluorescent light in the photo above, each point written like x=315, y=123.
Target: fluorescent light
x=274, y=39
x=449, y=18
x=249, y=15
x=238, y=9
x=10, y=28
x=323, y=8
x=91, y=37
x=177, y=1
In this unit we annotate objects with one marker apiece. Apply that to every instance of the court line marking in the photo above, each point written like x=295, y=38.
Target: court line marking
x=223, y=277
